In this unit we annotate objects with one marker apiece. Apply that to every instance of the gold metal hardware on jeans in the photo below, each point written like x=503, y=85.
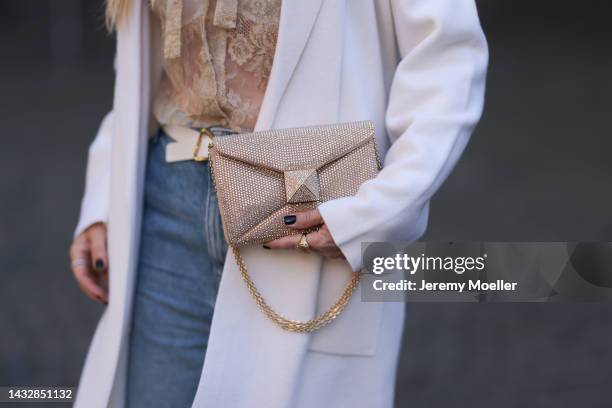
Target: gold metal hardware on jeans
x=196, y=150
x=262, y=176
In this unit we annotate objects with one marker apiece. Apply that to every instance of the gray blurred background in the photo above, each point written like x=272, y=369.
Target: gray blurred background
x=538, y=168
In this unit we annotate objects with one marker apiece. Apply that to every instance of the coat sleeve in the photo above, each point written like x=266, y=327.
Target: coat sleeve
x=96, y=198
x=435, y=100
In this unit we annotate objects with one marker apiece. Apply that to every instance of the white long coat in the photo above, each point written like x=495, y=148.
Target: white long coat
x=416, y=68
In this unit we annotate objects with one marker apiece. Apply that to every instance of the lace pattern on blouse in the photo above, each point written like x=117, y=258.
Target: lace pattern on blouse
x=218, y=56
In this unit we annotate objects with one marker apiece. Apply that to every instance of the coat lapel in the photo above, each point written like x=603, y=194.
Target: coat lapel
x=296, y=22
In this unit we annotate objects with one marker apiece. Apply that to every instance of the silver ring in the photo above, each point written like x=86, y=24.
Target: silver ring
x=80, y=262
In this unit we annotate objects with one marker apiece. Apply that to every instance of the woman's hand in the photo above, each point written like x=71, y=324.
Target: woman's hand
x=319, y=241
x=89, y=260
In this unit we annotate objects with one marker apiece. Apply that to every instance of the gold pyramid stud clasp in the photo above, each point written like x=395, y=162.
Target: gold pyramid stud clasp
x=302, y=185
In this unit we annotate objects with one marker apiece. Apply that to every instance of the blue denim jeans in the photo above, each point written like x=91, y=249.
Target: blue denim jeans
x=182, y=252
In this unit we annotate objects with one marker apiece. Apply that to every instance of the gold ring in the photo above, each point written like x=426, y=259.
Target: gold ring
x=303, y=245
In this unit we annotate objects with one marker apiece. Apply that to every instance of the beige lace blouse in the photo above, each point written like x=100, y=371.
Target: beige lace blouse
x=217, y=57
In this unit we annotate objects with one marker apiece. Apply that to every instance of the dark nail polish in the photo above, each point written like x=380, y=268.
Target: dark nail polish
x=290, y=219
x=99, y=264
x=266, y=247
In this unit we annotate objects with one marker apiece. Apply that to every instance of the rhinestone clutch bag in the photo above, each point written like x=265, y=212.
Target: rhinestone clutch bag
x=262, y=176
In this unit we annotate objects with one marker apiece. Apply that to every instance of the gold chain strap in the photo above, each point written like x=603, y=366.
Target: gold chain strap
x=285, y=323
x=295, y=325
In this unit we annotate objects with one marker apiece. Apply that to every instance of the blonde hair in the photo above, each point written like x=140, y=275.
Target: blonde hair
x=116, y=12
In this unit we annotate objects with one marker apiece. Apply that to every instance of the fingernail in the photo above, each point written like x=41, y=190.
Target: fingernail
x=290, y=219
x=99, y=264
x=266, y=247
